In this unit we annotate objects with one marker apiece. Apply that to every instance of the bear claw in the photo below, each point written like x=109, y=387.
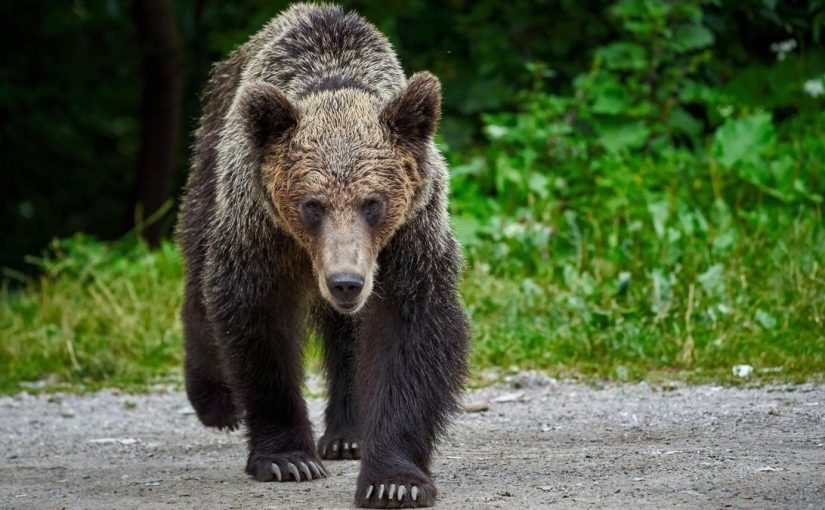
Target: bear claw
x=315, y=471
x=335, y=447
x=396, y=495
x=285, y=467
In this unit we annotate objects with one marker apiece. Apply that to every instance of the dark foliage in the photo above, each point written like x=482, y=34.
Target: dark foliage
x=70, y=84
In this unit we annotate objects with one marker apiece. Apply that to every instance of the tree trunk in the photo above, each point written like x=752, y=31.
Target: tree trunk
x=161, y=53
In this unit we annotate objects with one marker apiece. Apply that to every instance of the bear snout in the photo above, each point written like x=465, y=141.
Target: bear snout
x=345, y=288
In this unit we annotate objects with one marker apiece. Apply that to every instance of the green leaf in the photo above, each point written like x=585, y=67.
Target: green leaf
x=743, y=139
x=616, y=137
x=466, y=228
x=662, y=297
x=624, y=56
x=690, y=37
x=683, y=122
x=538, y=184
x=765, y=319
x=725, y=240
x=712, y=280
x=611, y=100
x=495, y=131
x=659, y=213
x=696, y=92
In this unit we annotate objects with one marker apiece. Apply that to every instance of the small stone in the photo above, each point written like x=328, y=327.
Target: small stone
x=742, y=370
x=518, y=396
x=476, y=407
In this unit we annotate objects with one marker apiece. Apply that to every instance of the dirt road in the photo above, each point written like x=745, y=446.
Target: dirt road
x=543, y=444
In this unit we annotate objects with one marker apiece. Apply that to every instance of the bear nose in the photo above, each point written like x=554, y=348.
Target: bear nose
x=345, y=287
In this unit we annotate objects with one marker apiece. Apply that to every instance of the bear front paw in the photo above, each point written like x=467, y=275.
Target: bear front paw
x=395, y=492
x=285, y=467
x=336, y=446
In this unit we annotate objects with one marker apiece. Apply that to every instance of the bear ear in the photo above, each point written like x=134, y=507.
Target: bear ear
x=413, y=114
x=267, y=113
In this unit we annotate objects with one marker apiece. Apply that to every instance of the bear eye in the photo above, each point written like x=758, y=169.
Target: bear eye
x=373, y=209
x=312, y=212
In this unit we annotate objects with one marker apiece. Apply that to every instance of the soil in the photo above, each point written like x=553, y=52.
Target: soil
x=541, y=443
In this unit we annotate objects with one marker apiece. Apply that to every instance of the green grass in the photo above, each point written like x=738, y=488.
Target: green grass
x=761, y=302
x=98, y=315
x=106, y=314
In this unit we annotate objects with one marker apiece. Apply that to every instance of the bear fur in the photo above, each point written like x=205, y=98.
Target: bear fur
x=317, y=199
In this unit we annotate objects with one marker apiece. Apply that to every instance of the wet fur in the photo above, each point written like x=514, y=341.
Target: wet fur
x=395, y=369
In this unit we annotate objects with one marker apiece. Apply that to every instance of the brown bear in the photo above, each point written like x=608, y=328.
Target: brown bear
x=317, y=198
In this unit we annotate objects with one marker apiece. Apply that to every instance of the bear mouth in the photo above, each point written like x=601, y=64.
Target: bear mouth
x=349, y=308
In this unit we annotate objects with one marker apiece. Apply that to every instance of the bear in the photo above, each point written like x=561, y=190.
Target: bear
x=317, y=201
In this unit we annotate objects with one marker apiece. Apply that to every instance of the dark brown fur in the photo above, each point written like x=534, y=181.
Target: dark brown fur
x=315, y=107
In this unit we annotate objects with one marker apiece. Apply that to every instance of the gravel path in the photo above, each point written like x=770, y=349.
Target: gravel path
x=541, y=444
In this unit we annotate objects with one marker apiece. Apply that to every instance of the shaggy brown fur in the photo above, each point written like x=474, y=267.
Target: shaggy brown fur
x=316, y=192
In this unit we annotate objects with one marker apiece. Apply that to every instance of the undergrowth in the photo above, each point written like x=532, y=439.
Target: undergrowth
x=653, y=221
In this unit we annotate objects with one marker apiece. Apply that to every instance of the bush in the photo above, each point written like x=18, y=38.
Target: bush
x=613, y=228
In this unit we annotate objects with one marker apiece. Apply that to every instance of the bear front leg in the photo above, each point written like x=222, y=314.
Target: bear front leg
x=259, y=328
x=206, y=384
x=342, y=437
x=265, y=362
x=409, y=377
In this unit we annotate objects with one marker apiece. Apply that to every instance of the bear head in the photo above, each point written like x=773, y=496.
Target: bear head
x=342, y=169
